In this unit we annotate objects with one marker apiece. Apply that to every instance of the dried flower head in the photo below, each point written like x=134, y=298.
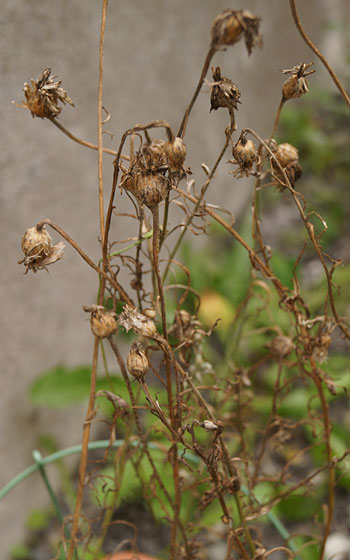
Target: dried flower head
x=155, y=152
x=130, y=318
x=38, y=249
x=102, y=321
x=224, y=92
x=321, y=347
x=281, y=346
x=245, y=155
x=145, y=180
x=288, y=157
x=137, y=361
x=296, y=85
x=42, y=96
x=230, y=25
x=176, y=154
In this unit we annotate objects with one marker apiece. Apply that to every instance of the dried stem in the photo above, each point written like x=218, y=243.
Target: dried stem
x=82, y=142
x=317, y=52
x=210, y=54
x=84, y=453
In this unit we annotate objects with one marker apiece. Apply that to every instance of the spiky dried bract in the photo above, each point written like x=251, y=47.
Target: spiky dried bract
x=137, y=361
x=102, y=321
x=131, y=319
x=281, y=346
x=224, y=92
x=42, y=96
x=245, y=155
x=288, y=157
x=228, y=27
x=38, y=249
x=176, y=154
x=321, y=347
x=296, y=85
x=145, y=181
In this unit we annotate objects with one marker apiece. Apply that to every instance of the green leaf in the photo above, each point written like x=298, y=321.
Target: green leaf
x=62, y=386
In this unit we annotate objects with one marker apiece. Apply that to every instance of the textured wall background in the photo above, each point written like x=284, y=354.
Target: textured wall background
x=153, y=54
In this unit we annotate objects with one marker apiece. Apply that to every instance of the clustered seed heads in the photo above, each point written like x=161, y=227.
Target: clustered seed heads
x=131, y=319
x=281, y=346
x=42, y=96
x=38, y=249
x=137, y=361
x=102, y=321
x=296, y=85
x=145, y=181
x=245, y=155
x=224, y=92
x=288, y=157
x=230, y=25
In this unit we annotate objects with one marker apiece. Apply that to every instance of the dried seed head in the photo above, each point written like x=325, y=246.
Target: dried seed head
x=38, y=249
x=130, y=318
x=155, y=152
x=296, y=85
x=210, y=426
x=148, y=188
x=224, y=92
x=176, y=154
x=245, y=155
x=102, y=321
x=288, y=157
x=150, y=312
x=228, y=27
x=137, y=361
x=42, y=96
x=281, y=346
x=321, y=347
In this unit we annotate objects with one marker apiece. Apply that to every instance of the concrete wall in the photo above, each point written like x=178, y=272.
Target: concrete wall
x=153, y=54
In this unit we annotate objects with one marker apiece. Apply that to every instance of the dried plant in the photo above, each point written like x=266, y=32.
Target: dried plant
x=183, y=400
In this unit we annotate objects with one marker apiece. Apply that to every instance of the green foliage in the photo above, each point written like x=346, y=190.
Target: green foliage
x=62, y=386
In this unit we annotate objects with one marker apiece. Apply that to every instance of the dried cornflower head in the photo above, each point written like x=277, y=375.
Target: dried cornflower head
x=137, y=361
x=288, y=157
x=296, y=85
x=176, y=154
x=38, y=249
x=245, y=155
x=321, y=346
x=281, y=346
x=155, y=152
x=146, y=182
x=130, y=318
x=230, y=25
x=102, y=321
x=42, y=96
x=224, y=92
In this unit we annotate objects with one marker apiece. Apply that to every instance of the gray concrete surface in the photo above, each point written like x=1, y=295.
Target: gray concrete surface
x=153, y=54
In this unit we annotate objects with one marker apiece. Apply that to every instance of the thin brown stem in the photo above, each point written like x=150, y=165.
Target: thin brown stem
x=210, y=54
x=317, y=52
x=99, y=120
x=112, y=281
x=84, y=453
x=80, y=141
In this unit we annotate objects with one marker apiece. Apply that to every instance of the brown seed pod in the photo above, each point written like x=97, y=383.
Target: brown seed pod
x=224, y=92
x=228, y=27
x=155, y=152
x=281, y=346
x=38, y=249
x=42, y=96
x=245, y=155
x=130, y=318
x=102, y=321
x=296, y=85
x=176, y=154
x=149, y=188
x=137, y=361
x=288, y=157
